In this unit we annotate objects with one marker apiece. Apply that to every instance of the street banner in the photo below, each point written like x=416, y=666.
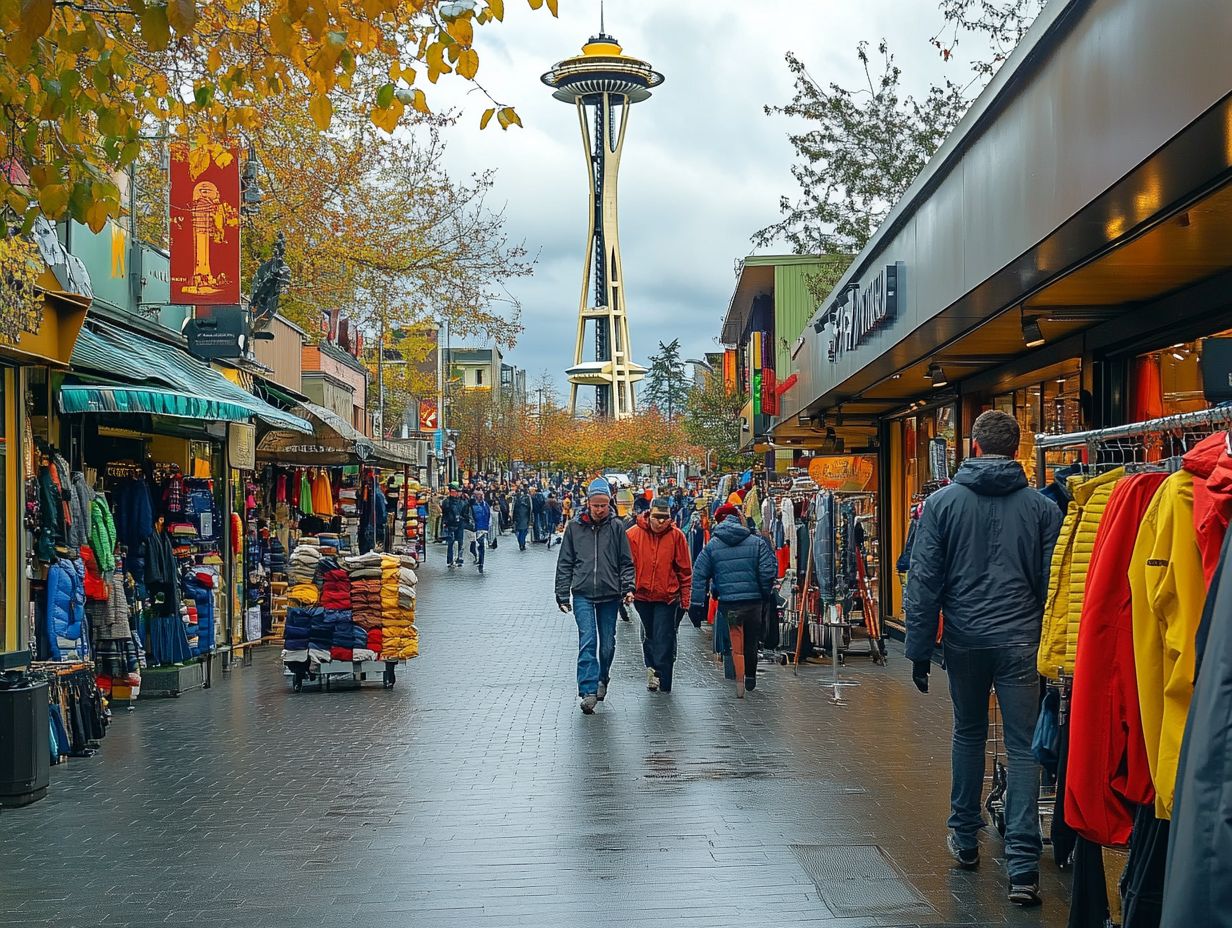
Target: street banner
x=428, y=420
x=205, y=225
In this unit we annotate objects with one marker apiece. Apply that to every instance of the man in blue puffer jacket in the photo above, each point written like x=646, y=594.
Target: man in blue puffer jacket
x=739, y=569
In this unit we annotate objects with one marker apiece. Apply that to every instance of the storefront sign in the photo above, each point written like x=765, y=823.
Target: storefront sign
x=242, y=445
x=867, y=310
x=205, y=225
x=220, y=335
x=850, y=474
x=428, y=419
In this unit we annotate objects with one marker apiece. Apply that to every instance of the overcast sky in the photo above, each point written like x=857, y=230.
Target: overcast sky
x=703, y=166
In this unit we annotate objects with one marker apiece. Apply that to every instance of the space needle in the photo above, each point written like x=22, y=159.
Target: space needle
x=603, y=82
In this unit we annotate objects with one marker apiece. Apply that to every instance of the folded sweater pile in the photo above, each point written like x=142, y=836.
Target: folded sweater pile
x=336, y=589
x=304, y=594
x=366, y=602
x=303, y=564
x=298, y=632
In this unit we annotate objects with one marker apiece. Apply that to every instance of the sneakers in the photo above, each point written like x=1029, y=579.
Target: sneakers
x=588, y=704
x=652, y=680
x=740, y=689
x=750, y=683
x=459, y=562
x=1024, y=889
x=481, y=568
x=602, y=691
x=968, y=858
x=450, y=564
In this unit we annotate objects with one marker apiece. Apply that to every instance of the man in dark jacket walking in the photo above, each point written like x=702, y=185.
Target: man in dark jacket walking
x=981, y=557
x=521, y=515
x=739, y=569
x=595, y=568
x=455, y=517
x=538, y=503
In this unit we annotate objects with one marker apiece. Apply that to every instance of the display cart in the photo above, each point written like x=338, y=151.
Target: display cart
x=324, y=675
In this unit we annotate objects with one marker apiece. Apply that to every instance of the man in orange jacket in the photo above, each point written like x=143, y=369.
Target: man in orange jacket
x=664, y=574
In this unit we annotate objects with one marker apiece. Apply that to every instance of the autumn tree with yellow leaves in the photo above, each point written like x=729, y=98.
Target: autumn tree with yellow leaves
x=83, y=83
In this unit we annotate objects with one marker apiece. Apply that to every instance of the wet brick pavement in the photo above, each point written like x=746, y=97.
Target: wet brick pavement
x=476, y=794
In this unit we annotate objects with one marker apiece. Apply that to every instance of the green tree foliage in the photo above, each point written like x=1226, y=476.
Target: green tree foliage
x=712, y=423
x=667, y=386
x=860, y=148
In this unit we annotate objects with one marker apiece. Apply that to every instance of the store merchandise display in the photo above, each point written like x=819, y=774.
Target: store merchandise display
x=351, y=610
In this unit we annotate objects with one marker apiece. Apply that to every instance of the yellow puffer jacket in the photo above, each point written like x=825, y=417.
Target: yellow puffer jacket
x=1169, y=592
x=1068, y=577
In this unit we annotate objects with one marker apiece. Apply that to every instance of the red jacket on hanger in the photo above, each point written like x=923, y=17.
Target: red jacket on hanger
x=1108, y=765
x=1212, y=502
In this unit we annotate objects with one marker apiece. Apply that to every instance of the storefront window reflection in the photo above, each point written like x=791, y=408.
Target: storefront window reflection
x=1168, y=382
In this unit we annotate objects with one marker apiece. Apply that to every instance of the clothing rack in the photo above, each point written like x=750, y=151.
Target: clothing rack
x=1092, y=439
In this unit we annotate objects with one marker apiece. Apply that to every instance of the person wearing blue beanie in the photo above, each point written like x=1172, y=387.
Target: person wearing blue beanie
x=595, y=570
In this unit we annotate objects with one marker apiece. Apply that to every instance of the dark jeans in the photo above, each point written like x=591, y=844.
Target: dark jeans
x=454, y=535
x=744, y=629
x=659, y=624
x=521, y=533
x=974, y=673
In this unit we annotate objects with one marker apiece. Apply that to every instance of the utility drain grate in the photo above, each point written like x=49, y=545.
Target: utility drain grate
x=860, y=879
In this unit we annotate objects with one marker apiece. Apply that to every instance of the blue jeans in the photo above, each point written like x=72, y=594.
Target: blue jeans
x=973, y=674
x=479, y=544
x=521, y=533
x=454, y=535
x=596, y=622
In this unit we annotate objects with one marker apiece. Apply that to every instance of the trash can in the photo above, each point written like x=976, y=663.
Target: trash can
x=25, y=741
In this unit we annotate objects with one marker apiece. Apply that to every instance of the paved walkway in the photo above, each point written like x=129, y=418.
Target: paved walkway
x=476, y=794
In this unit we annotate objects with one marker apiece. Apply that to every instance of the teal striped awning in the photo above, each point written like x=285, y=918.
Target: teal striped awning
x=77, y=398
x=155, y=377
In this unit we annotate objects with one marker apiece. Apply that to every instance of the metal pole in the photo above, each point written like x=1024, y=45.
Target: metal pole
x=380, y=378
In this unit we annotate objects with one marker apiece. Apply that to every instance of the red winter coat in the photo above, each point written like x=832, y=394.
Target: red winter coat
x=661, y=563
x=96, y=587
x=1108, y=767
x=1212, y=498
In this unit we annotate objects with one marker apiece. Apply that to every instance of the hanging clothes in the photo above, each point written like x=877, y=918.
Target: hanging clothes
x=1196, y=889
x=1108, y=770
x=787, y=513
x=1067, y=577
x=305, y=495
x=322, y=495
x=1169, y=592
x=1212, y=511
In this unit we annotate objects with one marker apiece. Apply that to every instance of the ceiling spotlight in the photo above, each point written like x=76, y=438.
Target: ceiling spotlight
x=1032, y=334
x=1180, y=352
x=937, y=375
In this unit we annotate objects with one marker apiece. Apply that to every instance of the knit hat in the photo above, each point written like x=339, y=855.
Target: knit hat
x=734, y=499
x=727, y=509
x=661, y=503
x=598, y=487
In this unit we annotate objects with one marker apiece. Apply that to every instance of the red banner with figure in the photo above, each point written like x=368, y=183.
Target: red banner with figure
x=428, y=419
x=205, y=225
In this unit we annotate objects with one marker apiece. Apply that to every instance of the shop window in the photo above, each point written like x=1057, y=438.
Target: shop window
x=1168, y=381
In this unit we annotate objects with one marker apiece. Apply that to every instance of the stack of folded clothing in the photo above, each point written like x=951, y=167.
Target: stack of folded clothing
x=343, y=642
x=329, y=542
x=361, y=650
x=321, y=635
x=304, y=594
x=389, y=583
x=399, y=638
x=336, y=589
x=296, y=635
x=277, y=556
x=366, y=603
x=347, y=501
x=304, y=561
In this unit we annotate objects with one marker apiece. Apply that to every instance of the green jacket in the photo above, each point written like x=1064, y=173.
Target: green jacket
x=102, y=534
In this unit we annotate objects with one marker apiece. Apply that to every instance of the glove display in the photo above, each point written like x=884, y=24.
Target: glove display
x=919, y=674
x=697, y=615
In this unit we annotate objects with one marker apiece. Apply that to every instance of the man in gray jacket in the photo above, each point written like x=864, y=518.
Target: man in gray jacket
x=981, y=557
x=595, y=568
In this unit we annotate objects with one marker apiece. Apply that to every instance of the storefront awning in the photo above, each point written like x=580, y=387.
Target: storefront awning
x=159, y=378
x=334, y=441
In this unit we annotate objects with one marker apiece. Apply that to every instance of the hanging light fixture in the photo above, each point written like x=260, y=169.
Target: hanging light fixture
x=1032, y=334
x=937, y=375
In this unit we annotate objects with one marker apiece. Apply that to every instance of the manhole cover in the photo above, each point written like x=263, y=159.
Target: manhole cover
x=859, y=879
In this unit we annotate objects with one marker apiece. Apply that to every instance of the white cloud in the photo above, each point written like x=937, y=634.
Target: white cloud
x=703, y=166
